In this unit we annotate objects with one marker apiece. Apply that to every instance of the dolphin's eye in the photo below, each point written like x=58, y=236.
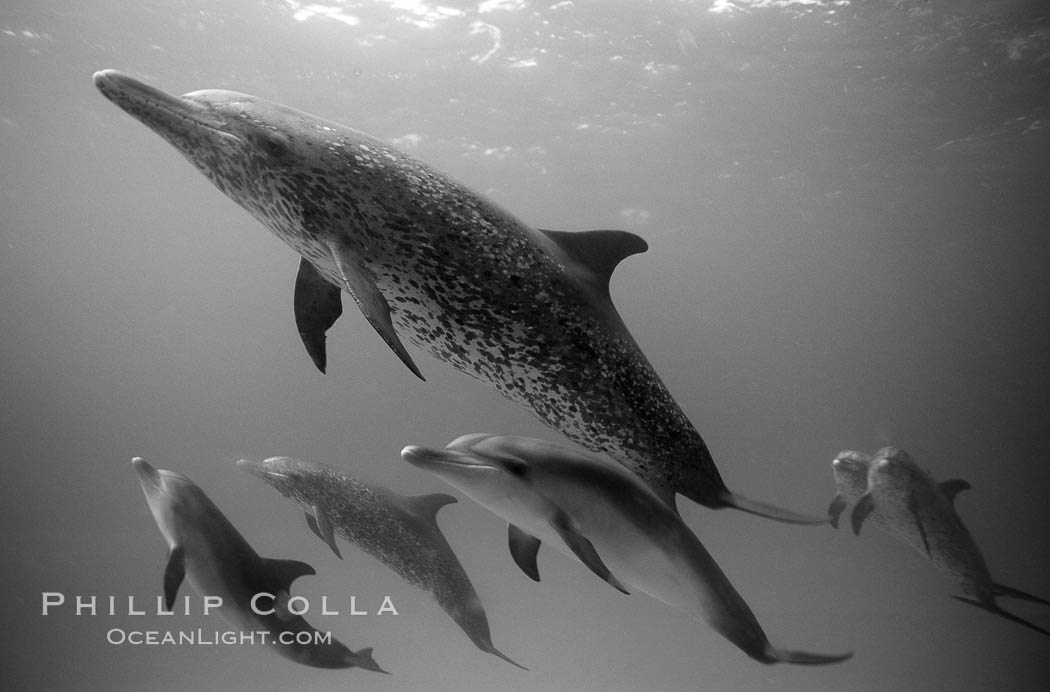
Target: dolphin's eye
x=516, y=468
x=273, y=144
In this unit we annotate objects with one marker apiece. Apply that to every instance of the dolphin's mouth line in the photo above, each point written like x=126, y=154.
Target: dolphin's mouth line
x=149, y=477
x=259, y=470
x=151, y=106
x=417, y=455
x=467, y=464
x=149, y=484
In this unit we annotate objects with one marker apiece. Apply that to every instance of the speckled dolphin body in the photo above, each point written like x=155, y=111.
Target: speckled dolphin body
x=401, y=532
x=608, y=519
x=524, y=310
x=905, y=501
x=206, y=550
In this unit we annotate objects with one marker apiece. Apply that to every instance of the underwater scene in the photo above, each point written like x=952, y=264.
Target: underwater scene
x=529, y=346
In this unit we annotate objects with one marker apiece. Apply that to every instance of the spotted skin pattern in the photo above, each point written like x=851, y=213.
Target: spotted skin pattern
x=903, y=494
x=465, y=281
x=910, y=505
x=390, y=528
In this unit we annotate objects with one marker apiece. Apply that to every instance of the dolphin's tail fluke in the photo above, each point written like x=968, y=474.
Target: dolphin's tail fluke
x=364, y=660
x=762, y=509
x=995, y=609
x=774, y=655
x=1011, y=592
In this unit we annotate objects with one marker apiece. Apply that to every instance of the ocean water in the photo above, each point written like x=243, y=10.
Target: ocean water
x=847, y=205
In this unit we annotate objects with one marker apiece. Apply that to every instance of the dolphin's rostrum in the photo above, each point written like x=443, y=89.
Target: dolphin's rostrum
x=527, y=311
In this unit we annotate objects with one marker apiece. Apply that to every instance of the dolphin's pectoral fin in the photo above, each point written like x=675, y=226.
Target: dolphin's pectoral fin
x=426, y=506
x=914, y=509
x=174, y=573
x=993, y=608
x=1011, y=592
x=312, y=523
x=772, y=654
x=953, y=487
x=838, y=503
x=583, y=549
x=317, y=307
x=359, y=284
x=861, y=511
x=280, y=574
x=598, y=251
x=523, y=548
x=322, y=528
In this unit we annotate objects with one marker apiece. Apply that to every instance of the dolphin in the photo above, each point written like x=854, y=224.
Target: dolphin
x=608, y=519
x=206, y=550
x=425, y=258
x=850, y=470
x=906, y=502
x=399, y=531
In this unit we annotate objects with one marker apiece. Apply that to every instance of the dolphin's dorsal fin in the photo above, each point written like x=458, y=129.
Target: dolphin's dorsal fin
x=174, y=572
x=358, y=282
x=838, y=503
x=281, y=573
x=322, y=527
x=523, y=548
x=863, y=508
x=583, y=548
x=426, y=506
x=667, y=496
x=598, y=251
x=280, y=605
x=953, y=487
x=317, y=307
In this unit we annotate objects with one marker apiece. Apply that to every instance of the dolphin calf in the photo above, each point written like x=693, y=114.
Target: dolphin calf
x=425, y=258
x=905, y=501
x=206, y=550
x=607, y=518
x=850, y=470
x=401, y=532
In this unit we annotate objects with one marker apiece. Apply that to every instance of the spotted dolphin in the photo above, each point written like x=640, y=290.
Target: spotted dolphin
x=608, y=519
x=525, y=310
x=399, y=531
x=850, y=470
x=207, y=551
x=905, y=501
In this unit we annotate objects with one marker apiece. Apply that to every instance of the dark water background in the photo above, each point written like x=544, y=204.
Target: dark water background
x=848, y=208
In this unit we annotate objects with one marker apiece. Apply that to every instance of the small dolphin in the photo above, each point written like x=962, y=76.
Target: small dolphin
x=525, y=310
x=206, y=549
x=851, y=482
x=906, y=502
x=401, y=532
x=607, y=518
